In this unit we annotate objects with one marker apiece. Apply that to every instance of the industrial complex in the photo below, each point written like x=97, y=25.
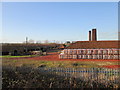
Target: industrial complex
x=92, y=49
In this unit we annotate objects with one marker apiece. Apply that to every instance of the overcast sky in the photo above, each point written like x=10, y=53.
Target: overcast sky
x=60, y=21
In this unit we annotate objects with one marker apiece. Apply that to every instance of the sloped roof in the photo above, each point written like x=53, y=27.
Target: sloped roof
x=94, y=44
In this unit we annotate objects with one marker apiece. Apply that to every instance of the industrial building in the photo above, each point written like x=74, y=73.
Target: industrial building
x=92, y=49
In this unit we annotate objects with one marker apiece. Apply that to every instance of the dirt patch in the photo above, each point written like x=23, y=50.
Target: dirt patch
x=111, y=66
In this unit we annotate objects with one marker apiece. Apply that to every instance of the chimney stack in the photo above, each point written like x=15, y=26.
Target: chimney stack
x=94, y=35
x=89, y=35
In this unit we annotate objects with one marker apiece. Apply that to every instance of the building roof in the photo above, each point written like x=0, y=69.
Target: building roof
x=94, y=44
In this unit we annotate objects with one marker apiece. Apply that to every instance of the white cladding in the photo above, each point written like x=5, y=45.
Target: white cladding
x=90, y=54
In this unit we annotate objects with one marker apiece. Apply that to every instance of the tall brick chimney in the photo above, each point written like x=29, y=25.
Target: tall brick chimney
x=89, y=35
x=94, y=35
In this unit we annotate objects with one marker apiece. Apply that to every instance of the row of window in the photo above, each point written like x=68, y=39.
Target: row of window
x=91, y=51
x=63, y=56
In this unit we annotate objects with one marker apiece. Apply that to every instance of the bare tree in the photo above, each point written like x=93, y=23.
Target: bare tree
x=38, y=41
x=24, y=42
x=31, y=41
x=46, y=41
x=57, y=42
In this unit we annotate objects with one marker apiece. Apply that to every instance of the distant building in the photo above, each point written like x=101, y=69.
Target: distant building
x=62, y=46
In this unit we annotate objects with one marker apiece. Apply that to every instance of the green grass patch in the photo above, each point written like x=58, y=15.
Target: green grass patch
x=38, y=63
x=9, y=56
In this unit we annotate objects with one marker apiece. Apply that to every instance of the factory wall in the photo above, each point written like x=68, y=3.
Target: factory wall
x=90, y=54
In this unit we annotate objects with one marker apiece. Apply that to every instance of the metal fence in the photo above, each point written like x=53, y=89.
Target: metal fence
x=87, y=70
x=100, y=75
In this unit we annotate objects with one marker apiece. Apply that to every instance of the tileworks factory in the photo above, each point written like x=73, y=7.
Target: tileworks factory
x=92, y=49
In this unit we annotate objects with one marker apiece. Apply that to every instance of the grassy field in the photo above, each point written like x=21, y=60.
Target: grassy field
x=9, y=56
x=38, y=63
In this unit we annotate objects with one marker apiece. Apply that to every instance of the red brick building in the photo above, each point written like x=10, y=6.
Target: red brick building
x=92, y=49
